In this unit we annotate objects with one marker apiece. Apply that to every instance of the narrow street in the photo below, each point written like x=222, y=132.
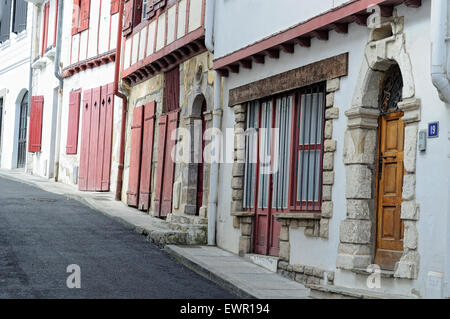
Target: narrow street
x=41, y=234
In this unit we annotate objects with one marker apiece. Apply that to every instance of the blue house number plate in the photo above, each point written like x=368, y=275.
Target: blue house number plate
x=433, y=130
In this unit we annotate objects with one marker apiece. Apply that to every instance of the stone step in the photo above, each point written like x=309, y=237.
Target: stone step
x=337, y=292
x=196, y=234
x=268, y=262
x=184, y=219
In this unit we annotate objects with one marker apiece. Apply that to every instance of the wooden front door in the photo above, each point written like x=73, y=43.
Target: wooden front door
x=389, y=245
x=267, y=229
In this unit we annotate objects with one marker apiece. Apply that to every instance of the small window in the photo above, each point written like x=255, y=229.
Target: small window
x=20, y=16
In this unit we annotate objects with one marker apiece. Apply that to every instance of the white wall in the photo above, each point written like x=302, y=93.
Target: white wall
x=432, y=166
x=14, y=82
x=267, y=18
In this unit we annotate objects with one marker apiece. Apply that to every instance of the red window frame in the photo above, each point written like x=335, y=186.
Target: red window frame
x=45, y=19
x=80, y=16
x=294, y=206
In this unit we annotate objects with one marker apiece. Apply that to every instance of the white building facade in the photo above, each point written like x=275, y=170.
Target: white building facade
x=361, y=179
x=15, y=39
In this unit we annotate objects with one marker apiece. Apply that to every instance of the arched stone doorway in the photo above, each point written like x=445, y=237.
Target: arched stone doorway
x=369, y=118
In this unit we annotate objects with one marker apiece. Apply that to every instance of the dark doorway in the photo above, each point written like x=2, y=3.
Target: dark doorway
x=22, y=143
x=1, y=122
x=201, y=165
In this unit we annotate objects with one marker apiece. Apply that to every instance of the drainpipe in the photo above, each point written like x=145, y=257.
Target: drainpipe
x=439, y=48
x=30, y=80
x=58, y=75
x=124, y=104
x=217, y=118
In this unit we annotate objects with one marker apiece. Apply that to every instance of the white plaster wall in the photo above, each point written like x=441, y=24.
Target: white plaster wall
x=267, y=18
x=14, y=81
x=432, y=166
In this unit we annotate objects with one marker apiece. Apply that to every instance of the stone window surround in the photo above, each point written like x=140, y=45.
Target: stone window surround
x=315, y=225
x=357, y=243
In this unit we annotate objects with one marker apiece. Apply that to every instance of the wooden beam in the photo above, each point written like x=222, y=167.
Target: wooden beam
x=303, y=41
x=233, y=68
x=340, y=27
x=223, y=72
x=413, y=3
x=321, y=34
x=246, y=64
x=273, y=53
x=386, y=11
x=258, y=58
x=287, y=47
x=361, y=19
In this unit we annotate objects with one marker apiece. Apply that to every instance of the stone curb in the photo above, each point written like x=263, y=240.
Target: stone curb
x=208, y=274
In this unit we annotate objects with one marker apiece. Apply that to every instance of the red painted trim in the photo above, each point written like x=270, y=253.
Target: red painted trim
x=98, y=30
x=176, y=21
x=203, y=12
x=156, y=31
x=167, y=27
x=188, y=4
x=194, y=35
x=89, y=63
x=56, y=23
x=300, y=30
x=45, y=21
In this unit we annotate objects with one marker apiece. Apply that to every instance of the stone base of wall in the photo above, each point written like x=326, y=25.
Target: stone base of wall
x=305, y=274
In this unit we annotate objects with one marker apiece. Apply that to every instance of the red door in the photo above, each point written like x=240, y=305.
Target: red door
x=106, y=175
x=93, y=144
x=267, y=229
x=85, y=141
x=162, y=132
x=103, y=110
x=147, y=156
x=135, y=157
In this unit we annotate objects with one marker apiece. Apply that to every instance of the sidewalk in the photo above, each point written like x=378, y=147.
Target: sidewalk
x=239, y=275
x=244, y=278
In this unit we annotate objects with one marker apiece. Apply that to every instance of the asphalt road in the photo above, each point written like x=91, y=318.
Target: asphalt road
x=42, y=234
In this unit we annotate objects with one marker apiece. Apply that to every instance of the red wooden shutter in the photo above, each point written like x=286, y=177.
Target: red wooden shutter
x=106, y=175
x=172, y=89
x=85, y=141
x=94, y=136
x=137, y=15
x=75, y=16
x=115, y=5
x=135, y=157
x=45, y=28
x=84, y=15
x=35, y=135
x=169, y=165
x=128, y=17
x=147, y=156
x=55, y=33
x=162, y=131
x=74, y=120
x=103, y=110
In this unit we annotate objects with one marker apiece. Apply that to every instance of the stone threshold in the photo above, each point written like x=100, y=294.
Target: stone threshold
x=338, y=292
x=364, y=272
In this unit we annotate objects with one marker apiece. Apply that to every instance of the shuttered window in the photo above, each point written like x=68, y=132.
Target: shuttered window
x=5, y=21
x=172, y=90
x=74, y=120
x=115, y=5
x=153, y=6
x=284, y=151
x=35, y=136
x=128, y=18
x=45, y=17
x=20, y=16
x=80, y=15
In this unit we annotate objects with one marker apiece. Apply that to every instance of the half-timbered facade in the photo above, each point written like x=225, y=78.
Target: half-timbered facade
x=168, y=72
x=331, y=194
